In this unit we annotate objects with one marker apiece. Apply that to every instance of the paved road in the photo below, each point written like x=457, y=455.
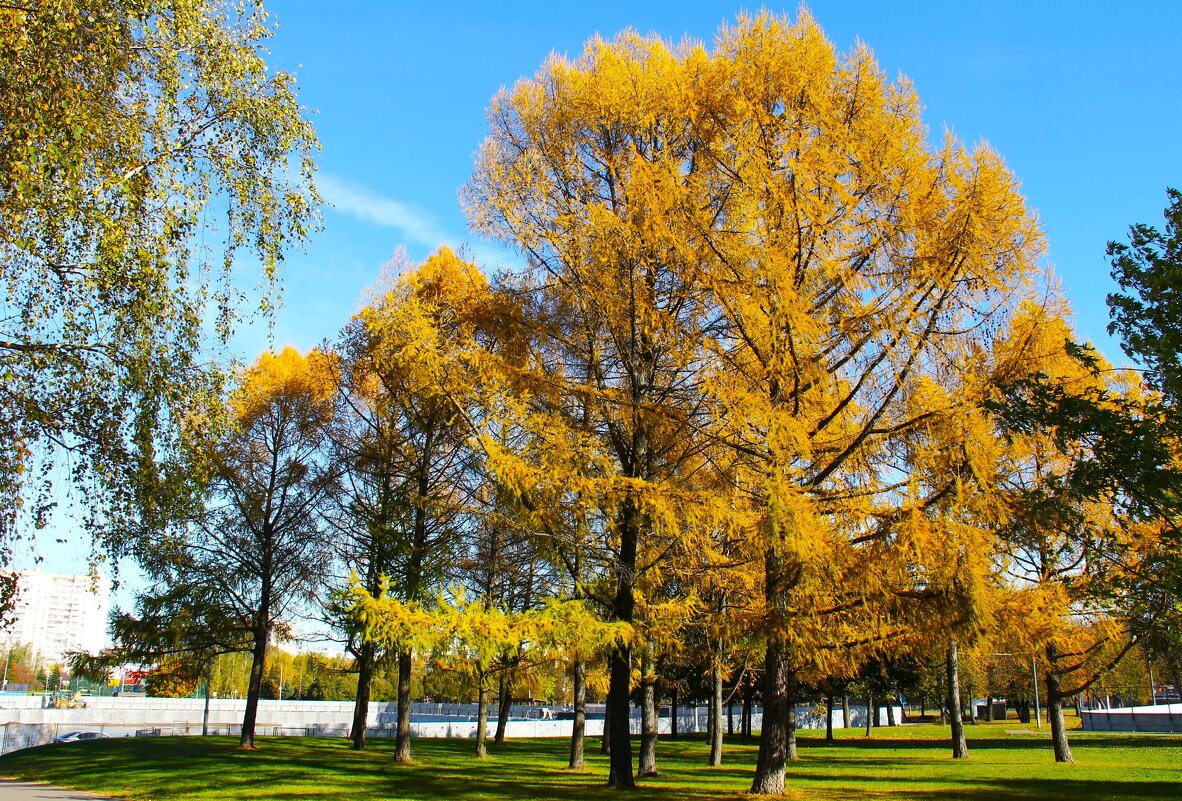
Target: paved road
x=23, y=791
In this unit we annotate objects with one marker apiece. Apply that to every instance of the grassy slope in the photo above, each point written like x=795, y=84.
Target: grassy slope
x=904, y=763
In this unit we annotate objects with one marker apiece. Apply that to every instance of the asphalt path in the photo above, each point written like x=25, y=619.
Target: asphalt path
x=24, y=791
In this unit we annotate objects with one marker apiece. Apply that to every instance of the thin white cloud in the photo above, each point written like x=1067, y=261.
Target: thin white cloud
x=357, y=201
x=415, y=225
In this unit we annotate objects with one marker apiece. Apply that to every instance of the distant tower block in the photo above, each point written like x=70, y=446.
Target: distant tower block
x=56, y=613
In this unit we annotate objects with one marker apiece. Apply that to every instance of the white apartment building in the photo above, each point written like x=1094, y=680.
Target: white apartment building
x=57, y=613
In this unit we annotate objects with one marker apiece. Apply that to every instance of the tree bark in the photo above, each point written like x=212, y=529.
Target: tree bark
x=960, y=748
x=773, y=736
x=648, y=725
x=402, y=742
x=870, y=710
x=890, y=702
x=482, y=716
x=716, y=715
x=208, y=687
x=845, y=711
x=504, y=707
x=578, y=730
x=619, y=774
x=365, y=666
x=262, y=633
x=1055, y=708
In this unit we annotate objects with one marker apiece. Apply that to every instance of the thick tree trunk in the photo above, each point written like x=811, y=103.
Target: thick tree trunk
x=254, y=687
x=620, y=741
x=829, y=718
x=716, y=715
x=989, y=709
x=504, y=707
x=648, y=726
x=960, y=748
x=365, y=666
x=845, y=711
x=619, y=774
x=890, y=702
x=773, y=735
x=482, y=716
x=402, y=741
x=1055, y=708
x=578, y=730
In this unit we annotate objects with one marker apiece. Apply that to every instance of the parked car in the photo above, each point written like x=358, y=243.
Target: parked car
x=75, y=736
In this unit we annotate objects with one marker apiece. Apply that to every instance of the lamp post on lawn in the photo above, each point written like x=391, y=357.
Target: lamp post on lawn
x=1037, y=711
x=1034, y=673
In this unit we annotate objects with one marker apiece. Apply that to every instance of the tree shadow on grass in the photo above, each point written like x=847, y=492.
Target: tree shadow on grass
x=1066, y=789
x=1016, y=742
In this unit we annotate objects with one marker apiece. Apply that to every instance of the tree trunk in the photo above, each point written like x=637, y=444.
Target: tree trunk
x=481, y=715
x=578, y=730
x=960, y=748
x=365, y=666
x=1055, y=708
x=648, y=725
x=254, y=687
x=402, y=743
x=505, y=706
x=619, y=774
x=870, y=714
x=829, y=718
x=845, y=711
x=716, y=715
x=773, y=737
x=890, y=702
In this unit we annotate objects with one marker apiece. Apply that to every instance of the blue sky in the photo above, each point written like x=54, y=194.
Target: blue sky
x=1083, y=99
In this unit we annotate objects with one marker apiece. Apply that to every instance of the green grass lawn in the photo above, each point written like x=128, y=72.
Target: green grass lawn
x=909, y=762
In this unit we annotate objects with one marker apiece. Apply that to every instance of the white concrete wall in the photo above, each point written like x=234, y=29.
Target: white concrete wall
x=1162, y=718
x=25, y=722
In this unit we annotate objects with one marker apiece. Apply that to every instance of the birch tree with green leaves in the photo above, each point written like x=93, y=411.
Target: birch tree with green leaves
x=146, y=152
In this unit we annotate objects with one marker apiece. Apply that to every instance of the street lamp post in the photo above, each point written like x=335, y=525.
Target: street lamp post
x=1037, y=711
x=1034, y=673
